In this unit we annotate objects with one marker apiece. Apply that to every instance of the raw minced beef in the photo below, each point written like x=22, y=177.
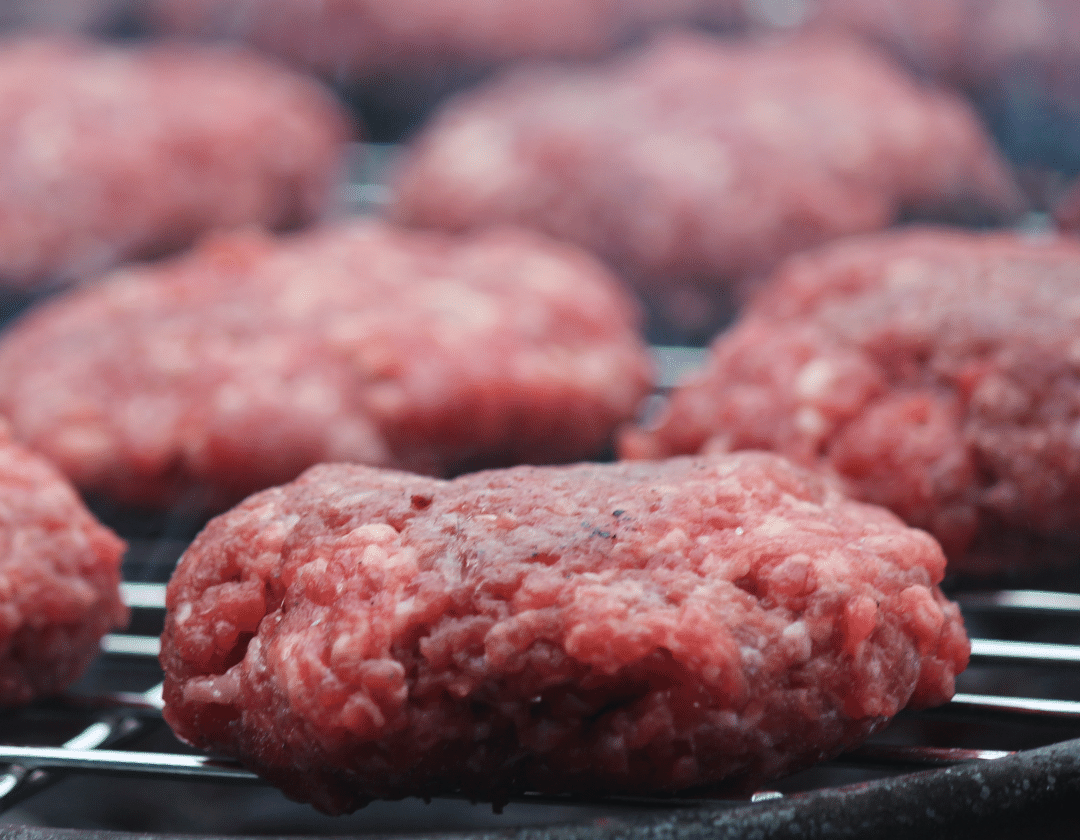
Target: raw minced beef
x=934, y=372
x=238, y=366
x=59, y=578
x=109, y=153
x=697, y=163
x=368, y=38
x=619, y=628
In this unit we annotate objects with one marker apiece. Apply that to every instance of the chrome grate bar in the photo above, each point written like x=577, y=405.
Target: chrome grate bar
x=26, y=778
x=1065, y=710
x=125, y=714
x=143, y=596
x=122, y=644
x=1021, y=601
x=1026, y=653
x=890, y=755
x=128, y=762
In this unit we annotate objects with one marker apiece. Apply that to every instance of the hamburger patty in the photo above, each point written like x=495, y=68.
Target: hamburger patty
x=110, y=153
x=696, y=164
x=629, y=628
x=236, y=367
x=934, y=372
x=59, y=578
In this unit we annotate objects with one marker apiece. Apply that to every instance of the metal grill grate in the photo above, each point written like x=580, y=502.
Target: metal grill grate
x=111, y=724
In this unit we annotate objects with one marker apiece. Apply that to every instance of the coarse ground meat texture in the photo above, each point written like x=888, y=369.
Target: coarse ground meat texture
x=632, y=628
x=361, y=39
x=937, y=373
x=59, y=578
x=698, y=163
x=235, y=368
x=110, y=153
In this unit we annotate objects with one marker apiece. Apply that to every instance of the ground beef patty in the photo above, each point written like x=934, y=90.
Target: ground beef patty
x=600, y=628
x=59, y=578
x=238, y=366
x=366, y=38
x=935, y=372
x=110, y=153
x=698, y=162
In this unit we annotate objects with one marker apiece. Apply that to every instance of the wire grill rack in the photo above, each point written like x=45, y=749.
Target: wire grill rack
x=997, y=720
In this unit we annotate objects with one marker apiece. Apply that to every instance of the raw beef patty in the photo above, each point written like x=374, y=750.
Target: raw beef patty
x=986, y=45
x=236, y=367
x=619, y=628
x=698, y=163
x=937, y=373
x=369, y=38
x=110, y=153
x=59, y=578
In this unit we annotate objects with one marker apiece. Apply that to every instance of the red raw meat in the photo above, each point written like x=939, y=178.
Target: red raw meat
x=363, y=38
x=240, y=365
x=59, y=578
x=633, y=628
x=698, y=163
x=935, y=372
x=110, y=153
